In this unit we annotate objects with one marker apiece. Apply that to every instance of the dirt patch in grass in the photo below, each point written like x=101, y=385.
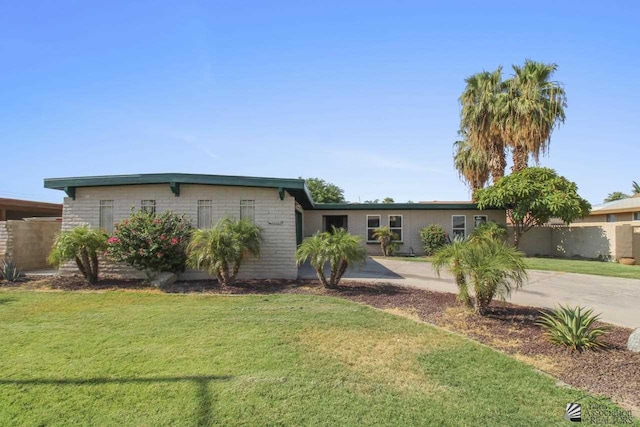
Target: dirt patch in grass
x=613, y=372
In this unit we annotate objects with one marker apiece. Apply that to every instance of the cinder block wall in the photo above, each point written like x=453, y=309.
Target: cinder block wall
x=28, y=243
x=276, y=218
x=413, y=221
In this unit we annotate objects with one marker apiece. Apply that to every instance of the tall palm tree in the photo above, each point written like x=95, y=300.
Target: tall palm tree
x=472, y=165
x=533, y=106
x=635, y=189
x=481, y=118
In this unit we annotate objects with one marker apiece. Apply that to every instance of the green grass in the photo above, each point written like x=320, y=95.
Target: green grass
x=599, y=268
x=125, y=358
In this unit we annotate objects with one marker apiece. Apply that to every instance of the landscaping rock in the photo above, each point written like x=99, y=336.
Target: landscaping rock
x=164, y=279
x=634, y=341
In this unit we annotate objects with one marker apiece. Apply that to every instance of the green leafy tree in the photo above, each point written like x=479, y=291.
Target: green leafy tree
x=388, y=200
x=490, y=267
x=433, y=237
x=81, y=244
x=635, y=189
x=222, y=249
x=339, y=249
x=532, y=196
x=386, y=238
x=151, y=242
x=616, y=195
x=489, y=230
x=324, y=192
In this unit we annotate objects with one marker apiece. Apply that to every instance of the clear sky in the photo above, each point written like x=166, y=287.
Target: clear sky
x=362, y=94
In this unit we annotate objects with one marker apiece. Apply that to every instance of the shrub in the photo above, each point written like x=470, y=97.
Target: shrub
x=490, y=267
x=221, y=249
x=386, y=237
x=433, y=237
x=151, y=242
x=490, y=230
x=339, y=249
x=9, y=270
x=573, y=327
x=81, y=244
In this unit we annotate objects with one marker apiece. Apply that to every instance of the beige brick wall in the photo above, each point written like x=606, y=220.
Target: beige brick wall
x=413, y=221
x=28, y=243
x=276, y=218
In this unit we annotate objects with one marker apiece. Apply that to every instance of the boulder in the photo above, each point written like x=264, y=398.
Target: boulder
x=634, y=341
x=164, y=279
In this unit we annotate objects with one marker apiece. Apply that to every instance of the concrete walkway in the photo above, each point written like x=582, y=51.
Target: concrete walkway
x=617, y=299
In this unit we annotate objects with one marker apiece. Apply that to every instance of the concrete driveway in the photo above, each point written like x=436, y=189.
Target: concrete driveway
x=617, y=299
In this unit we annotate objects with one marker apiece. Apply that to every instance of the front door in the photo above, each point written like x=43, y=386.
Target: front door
x=337, y=221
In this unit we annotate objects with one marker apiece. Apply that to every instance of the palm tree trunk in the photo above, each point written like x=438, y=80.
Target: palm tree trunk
x=498, y=165
x=88, y=272
x=520, y=159
x=322, y=278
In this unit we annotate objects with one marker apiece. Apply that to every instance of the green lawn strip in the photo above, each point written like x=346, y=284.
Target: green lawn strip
x=154, y=359
x=599, y=268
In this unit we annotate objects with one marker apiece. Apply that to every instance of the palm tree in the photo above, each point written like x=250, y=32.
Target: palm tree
x=635, y=189
x=82, y=245
x=481, y=118
x=533, y=106
x=221, y=249
x=339, y=249
x=385, y=236
x=491, y=267
x=472, y=165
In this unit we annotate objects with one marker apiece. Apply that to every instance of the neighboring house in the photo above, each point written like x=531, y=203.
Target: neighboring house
x=283, y=208
x=27, y=230
x=624, y=210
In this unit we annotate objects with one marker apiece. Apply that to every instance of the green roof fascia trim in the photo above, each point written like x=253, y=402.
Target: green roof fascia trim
x=397, y=206
x=296, y=187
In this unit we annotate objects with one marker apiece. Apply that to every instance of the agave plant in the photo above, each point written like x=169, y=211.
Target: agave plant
x=573, y=327
x=9, y=270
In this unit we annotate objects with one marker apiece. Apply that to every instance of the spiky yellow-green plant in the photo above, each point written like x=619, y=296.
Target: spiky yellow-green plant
x=573, y=327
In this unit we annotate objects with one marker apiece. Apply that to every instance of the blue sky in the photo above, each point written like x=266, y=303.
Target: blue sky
x=362, y=94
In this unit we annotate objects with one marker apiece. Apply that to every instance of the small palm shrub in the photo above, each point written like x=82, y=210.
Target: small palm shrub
x=386, y=238
x=82, y=245
x=490, y=267
x=339, y=249
x=220, y=250
x=433, y=237
x=9, y=270
x=490, y=230
x=151, y=242
x=573, y=327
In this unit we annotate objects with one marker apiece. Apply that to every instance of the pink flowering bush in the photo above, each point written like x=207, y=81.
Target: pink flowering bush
x=151, y=242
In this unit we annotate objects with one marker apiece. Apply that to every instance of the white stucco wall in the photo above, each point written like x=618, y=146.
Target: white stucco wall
x=276, y=218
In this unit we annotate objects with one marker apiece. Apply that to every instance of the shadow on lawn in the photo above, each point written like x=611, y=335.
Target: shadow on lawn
x=6, y=300
x=205, y=416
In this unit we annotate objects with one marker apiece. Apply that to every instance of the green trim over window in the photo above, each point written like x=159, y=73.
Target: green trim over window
x=396, y=206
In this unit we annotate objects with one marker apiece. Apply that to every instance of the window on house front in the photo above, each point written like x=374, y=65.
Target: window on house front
x=106, y=216
x=148, y=206
x=479, y=220
x=205, y=213
x=248, y=210
x=373, y=222
x=636, y=216
x=611, y=218
x=458, y=226
x=395, y=224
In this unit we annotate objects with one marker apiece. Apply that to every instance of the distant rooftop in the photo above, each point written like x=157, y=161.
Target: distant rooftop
x=630, y=204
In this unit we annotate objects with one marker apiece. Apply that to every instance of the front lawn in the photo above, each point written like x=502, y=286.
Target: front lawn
x=612, y=269
x=145, y=358
x=600, y=268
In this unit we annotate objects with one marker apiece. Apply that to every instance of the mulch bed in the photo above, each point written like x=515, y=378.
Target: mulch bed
x=613, y=372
